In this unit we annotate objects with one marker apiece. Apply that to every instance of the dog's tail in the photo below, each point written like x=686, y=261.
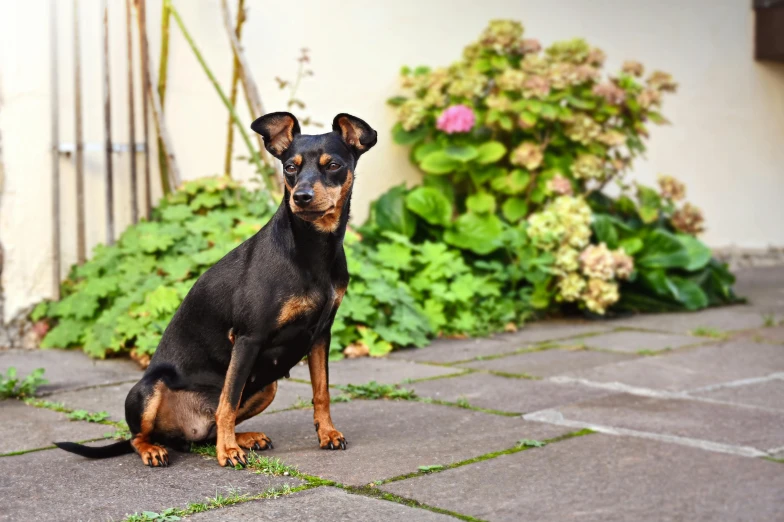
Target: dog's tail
x=97, y=452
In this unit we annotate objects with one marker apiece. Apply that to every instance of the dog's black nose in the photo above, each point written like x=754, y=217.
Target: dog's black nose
x=303, y=196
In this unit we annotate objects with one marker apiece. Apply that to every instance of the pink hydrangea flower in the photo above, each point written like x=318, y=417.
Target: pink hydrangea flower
x=457, y=118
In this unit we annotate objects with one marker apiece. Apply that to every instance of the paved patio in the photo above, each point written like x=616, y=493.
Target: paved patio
x=667, y=417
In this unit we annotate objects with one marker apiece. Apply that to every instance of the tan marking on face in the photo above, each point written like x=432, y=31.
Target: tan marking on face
x=351, y=135
x=325, y=159
x=295, y=307
x=281, y=134
x=329, y=222
x=297, y=160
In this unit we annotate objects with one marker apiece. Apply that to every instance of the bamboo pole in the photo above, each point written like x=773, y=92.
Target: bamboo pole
x=131, y=115
x=252, y=95
x=81, y=243
x=107, y=126
x=55, y=101
x=141, y=14
x=269, y=182
x=157, y=113
x=235, y=77
x=163, y=70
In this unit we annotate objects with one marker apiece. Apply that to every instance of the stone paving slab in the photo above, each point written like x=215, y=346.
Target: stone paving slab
x=324, y=504
x=110, y=399
x=545, y=363
x=725, y=319
x=692, y=368
x=606, y=478
x=366, y=369
x=768, y=394
x=69, y=369
x=724, y=423
x=772, y=334
x=55, y=485
x=630, y=341
x=24, y=427
x=450, y=350
x=505, y=394
x=391, y=438
x=763, y=287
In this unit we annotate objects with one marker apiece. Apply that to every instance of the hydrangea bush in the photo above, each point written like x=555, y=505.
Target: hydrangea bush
x=516, y=137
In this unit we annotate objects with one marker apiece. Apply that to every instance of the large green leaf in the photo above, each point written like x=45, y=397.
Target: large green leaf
x=605, y=230
x=663, y=250
x=462, y=154
x=439, y=162
x=689, y=293
x=390, y=212
x=430, y=204
x=490, y=152
x=513, y=183
x=699, y=254
x=404, y=137
x=478, y=233
x=481, y=203
x=514, y=209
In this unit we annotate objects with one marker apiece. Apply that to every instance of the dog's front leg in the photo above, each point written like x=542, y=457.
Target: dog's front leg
x=318, y=360
x=243, y=355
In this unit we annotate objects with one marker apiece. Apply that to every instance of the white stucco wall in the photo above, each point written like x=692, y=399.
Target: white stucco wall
x=725, y=142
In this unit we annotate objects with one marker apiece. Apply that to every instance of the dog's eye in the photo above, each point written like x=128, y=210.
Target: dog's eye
x=291, y=169
x=332, y=167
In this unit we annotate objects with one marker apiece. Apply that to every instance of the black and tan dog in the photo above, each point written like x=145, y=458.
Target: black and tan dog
x=257, y=312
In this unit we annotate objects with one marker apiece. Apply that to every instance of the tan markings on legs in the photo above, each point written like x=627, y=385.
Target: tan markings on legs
x=329, y=222
x=151, y=454
x=324, y=159
x=258, y=403
x=328, y=436
x=254, y=440
x=225, y=421
x=295, y=307
x=339, y=293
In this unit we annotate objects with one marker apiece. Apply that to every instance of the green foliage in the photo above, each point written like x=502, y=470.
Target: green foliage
x=530, y=443
x=376, y=391
x=124, y=297
x=12, y=387
x=84, y=415
x=431, y=468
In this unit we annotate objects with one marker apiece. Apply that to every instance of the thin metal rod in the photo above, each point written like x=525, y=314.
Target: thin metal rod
x=157, y=112
x=81, y=232
x=131, y=115
x=55, y=107
x=140, y=13
x=107, y=127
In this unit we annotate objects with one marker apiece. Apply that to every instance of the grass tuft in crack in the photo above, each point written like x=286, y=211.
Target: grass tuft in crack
x=709, y=332
x=14, y=387
x=260, y=463
x=376, y=391
x=84, y=415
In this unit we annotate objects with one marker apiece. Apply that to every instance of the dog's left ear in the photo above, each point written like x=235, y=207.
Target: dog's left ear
x=357, y=134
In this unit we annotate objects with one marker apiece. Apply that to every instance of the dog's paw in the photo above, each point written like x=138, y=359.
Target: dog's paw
x=254, y=441
x=330, y=438
x=152, y=455
x=231, y=455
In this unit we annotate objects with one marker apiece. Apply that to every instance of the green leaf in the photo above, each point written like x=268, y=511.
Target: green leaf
x=68, y=332
x=648, y=214
x=404, y=137
x=439, y=162
x=478, y=233
x=605, y=230
x=663, y=250
x=483, y=174
x=490, y=152
x=514, y=209
x=394, y=255
x=396, y=101
x=430, y=204
x=162, y=300
x=631, y=245
x=462, y=154
x=390, y=212
x=699, y=254
x=423, y=149
x=481, y=203
x=441, y=184
x=516, y=182
x=689, y=293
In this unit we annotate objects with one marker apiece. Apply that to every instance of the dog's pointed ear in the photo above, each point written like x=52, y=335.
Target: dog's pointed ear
x=357, y=134
x=278, y=130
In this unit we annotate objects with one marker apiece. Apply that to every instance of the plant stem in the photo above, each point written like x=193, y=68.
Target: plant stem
x=163, y=69
x=253, y=152
x=235, y=77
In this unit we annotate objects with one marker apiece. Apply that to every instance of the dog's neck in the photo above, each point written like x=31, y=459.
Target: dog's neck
x=308, y=244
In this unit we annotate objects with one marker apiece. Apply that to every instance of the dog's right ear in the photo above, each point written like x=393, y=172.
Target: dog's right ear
x=278, y=130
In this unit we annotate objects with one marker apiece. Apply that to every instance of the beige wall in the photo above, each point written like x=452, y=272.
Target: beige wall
x=725, y=142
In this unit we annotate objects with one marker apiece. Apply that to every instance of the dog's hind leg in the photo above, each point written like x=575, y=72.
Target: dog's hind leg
x=252, y=407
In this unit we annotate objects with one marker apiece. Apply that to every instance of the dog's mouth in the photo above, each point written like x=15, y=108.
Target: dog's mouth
x=311, y=214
